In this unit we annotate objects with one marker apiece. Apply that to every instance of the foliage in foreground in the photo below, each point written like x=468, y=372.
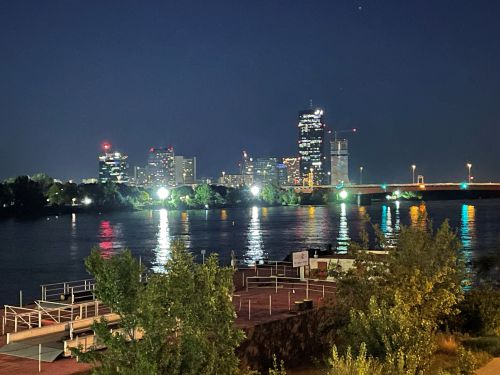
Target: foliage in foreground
x=185, y=316
x=394, y=307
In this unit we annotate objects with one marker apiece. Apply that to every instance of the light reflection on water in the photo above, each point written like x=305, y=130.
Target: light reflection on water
x=162, y=250
x=255, y=250
x=343, y=238
x=468, y=230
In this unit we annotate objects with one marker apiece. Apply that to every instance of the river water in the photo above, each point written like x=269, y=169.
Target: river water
x=52, y=249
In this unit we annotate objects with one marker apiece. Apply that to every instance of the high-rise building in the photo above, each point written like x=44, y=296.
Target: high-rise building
x=112, y=166
x=292, y=170
x=282, y=174
x=231, y=180
x=311, y=145
x=185, y=170
x=265, y=171
x=138, y=176
x=161, y=166
x=247, y=168
x=339, y=152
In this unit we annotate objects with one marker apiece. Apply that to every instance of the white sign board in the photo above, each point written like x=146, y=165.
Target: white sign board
x=300, y=258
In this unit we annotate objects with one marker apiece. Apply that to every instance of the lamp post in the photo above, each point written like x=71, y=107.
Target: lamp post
x=469, y=166
x=361, y=175
x=413, y=167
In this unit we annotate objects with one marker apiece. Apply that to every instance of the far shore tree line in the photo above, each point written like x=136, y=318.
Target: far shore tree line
x=419, y=311
x=41, y=193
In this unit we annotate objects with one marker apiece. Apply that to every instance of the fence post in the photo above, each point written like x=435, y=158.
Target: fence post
x=39, y=319
x=15, y=323
x=323, y=290
x=307, y=288
x=59, y=315
x=3, y=325
x=288, y=300
x=276, y=267
x=247, y=284
x=39, y=357
x=20, y=298
x=243, y=278
x=249, y=308
x=270, y=306
x=64, y=288
x=276, y=284
x=240, y=304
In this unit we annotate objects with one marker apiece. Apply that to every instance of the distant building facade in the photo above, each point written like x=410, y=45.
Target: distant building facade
x=161, y=166
x=339, y=153
x=138, y=176
x=185, y=170
x=247, y=169
x=311, y=145
x=292, y=170
x=231, y=180
x=265, y=171
x=113, y=167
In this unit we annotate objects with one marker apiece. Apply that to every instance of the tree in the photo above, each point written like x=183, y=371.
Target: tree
x=203, y=195
x=55, y=194
x=185, y=315
x=270, y=194
x=27, y=195
x=402, y=300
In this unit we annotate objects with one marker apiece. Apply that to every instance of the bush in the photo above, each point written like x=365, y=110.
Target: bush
x=489, y=345
x=348, y=365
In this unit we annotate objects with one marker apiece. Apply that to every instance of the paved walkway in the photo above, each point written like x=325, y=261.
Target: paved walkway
x=491, y=368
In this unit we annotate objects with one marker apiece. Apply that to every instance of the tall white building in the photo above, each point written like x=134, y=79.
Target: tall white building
x=339, y=153
x=311, y=145
x=185, y=170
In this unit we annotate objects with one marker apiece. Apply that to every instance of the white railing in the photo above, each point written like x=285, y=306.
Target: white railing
x=324, y=287
x=54, y=291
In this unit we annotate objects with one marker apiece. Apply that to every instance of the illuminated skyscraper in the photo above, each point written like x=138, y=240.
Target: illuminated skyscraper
x=161, y=166
x=311, y=146
x=339, y=152
x=113, y=166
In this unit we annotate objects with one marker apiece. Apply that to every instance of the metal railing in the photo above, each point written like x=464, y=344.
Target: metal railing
x=54, y=291
x=324, y=287
x=269, y=268
x=18, y=318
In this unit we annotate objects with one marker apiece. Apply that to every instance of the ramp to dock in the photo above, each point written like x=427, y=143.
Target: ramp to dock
x=27, y=349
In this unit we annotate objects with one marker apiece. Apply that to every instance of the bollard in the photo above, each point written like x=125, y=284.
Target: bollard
x=39, y=357
x=289, y=301
x=276, y=284
x=243, y=278
x=323, y=290
x=20, y=298
x=240, y=304
x=249, y=308
x=270, y=306
x=307, y=289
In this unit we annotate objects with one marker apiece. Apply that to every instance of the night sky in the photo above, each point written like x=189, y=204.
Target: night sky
x=419, y=79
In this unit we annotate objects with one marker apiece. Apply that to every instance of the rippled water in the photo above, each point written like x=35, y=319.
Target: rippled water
x=52, y=249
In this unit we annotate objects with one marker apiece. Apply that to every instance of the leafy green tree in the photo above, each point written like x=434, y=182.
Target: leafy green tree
x=44, y=180
x=347, y=364
x=55, y=194
x=204, y=195
x=270, y=194
x=185, y=315
x=27, y=195
x=395, y=306
x=289, y=197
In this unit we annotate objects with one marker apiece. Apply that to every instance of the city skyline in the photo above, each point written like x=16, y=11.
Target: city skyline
x=230, y=77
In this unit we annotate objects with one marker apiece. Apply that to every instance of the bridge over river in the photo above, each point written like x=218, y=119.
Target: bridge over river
x=430, y=191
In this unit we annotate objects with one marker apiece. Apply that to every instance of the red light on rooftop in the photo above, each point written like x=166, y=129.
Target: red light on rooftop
x=106, y=146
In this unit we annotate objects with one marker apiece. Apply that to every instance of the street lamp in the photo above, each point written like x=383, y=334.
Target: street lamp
x=469, y=165
x=163, y=193
x=361, y=175
x=255, y=190
x=413, y=167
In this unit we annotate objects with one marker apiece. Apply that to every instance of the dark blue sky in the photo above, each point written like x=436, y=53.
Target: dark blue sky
x=419, y=79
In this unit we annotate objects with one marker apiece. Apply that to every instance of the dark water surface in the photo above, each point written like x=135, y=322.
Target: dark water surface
x=52, y=249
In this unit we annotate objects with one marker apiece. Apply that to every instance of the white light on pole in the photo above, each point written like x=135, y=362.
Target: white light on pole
x=413, y=167
x=255, y=190
x=86, y=201
x=469, y=166
x=163, y=193
x=343, y=194
x=361, y=175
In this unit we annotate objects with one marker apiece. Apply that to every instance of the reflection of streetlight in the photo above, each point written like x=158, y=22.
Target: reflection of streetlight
x=86, y=201
x=469, y=165
x=361, y=175
x=413, y=167
x=255, y=190
x=163, y=193
x=343, y=194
